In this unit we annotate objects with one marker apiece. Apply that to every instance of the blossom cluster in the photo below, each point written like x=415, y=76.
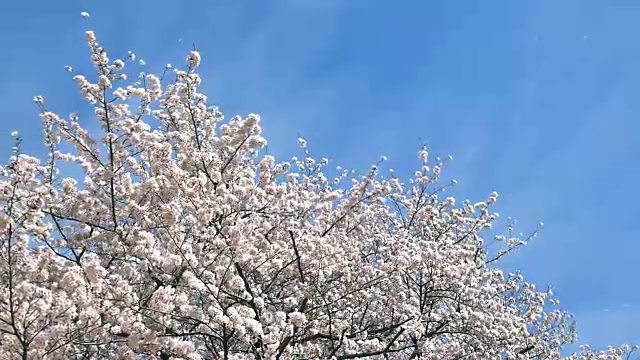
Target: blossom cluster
x=182, y=239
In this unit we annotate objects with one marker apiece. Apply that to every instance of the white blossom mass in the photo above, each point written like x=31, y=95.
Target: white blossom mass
x=184, y=239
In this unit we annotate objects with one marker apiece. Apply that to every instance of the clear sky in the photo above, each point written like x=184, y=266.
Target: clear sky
x=536, y=99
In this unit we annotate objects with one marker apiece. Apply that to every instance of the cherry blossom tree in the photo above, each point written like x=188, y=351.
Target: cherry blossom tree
x=183, y=239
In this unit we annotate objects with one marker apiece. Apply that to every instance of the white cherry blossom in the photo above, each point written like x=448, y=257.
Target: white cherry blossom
x=183, y=239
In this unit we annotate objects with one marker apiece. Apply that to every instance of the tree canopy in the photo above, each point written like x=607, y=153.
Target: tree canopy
x=184, y=239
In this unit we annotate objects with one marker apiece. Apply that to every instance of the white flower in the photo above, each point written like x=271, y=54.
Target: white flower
x=236, y=283
x=90, y=36
x=423, y=155
x=194, y=58
x=297, y=318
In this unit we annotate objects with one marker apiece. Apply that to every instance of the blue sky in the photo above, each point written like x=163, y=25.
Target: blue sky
x=535, y=99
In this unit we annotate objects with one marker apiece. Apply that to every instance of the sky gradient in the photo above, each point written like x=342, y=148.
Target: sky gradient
x=537, y=100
